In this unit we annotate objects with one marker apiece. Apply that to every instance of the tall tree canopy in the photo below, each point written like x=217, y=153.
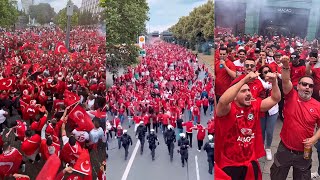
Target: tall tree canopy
x=61, y=18
x=8, y=14
x=43, y=13
x=197, y=27
x=125, y=21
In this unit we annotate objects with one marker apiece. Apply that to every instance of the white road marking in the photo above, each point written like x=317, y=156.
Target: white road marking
x=197, y=167
x=134, y=153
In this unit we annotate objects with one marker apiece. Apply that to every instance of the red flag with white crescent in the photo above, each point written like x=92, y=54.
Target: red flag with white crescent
x=70, y=98
x=7, y=83
x=99, y=114
x=82, y=168
x=50, y=168
x=79, y=116
x=60, y=48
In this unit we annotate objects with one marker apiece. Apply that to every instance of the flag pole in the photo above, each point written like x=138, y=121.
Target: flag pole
x=67, y=165
x=74, y=106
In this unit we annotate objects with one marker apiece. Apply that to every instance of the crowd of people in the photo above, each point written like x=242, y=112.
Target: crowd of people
x=259, y=80
x=52, y=103
x=56, y=110
x=164, y=94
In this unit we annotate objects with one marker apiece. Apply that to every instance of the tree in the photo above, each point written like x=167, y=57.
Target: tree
x=43, y=13
x=8, y=14
x=87, y=18
x=61, y=18
x=125, y=21
x=196, y=28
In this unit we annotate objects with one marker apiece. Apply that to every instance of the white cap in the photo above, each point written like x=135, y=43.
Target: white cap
x=50, y=80
x=141, y=122
x=125, y=131
x=151, y=130
x=170, y=127
x=210, y=137
x=182, y=135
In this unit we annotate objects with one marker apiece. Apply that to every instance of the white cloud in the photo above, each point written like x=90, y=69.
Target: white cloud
x=159, y=28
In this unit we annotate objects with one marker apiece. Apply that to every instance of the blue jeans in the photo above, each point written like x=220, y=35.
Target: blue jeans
x=121, y=116
x=317, y=145
x=211, y=107
x=195, y=120
x=190, y=114
x=267, y=127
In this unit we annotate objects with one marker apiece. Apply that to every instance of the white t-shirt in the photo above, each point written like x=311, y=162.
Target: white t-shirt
x=239, y=67
x=2, y=117
x=95, y=135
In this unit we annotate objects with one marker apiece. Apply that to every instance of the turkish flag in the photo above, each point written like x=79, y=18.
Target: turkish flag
x=7, y=83
x=10, y=162
x=83, y=166
x=60, y=48
x=50, y=168
x=35, y=68
x=57, y=103
x=80, y=117
x=99, y=114
x=70, y=98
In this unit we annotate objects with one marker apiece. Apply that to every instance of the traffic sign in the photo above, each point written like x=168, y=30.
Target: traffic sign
x=142, y=41
x=142, y=53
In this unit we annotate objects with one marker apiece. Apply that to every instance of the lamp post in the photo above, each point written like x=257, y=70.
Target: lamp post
x=69, y=14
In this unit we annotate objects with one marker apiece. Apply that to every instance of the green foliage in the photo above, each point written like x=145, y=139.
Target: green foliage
x=61, y=19
x=125, y=21
x=8, y=14
x=197, y=27
x=43, y=13
x=87, y=18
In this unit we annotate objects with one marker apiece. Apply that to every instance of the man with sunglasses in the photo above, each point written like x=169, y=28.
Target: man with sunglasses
x=255, y=86
x=298, y=68
x=225, y=72
x=238, y=137
x=301, y=115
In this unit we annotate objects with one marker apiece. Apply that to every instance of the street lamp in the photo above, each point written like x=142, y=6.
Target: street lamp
x=69, y=14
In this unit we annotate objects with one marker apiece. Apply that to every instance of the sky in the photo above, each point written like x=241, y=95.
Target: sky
x=166, y=13
x=56, y=4
x=163, y=13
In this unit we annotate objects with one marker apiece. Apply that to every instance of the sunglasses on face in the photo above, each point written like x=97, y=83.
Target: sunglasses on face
x=266, y=72
x=222, y=54
x=249, y=65
x=305, y=84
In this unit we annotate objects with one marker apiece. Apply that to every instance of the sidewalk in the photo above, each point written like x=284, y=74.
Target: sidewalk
x=265, y=165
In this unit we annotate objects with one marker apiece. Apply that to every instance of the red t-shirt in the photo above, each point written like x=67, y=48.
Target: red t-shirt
x=44, y=149
x=31, y=145
x=37, y=126
x=238, y=136
x=300, y=120
x=296, y=73
x=223, y=80
x=256, y=86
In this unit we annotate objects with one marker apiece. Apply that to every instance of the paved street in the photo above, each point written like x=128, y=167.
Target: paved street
x=143, y=168
x=265, y=165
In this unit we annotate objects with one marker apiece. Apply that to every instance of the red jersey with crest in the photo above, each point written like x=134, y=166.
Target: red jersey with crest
x=238, y=136
x=300, y=116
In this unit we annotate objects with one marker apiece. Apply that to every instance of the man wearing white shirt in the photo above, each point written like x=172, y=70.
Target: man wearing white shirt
x=240, y=62
x=3, y=114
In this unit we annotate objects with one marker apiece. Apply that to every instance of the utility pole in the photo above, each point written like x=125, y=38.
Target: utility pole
x=69, y=14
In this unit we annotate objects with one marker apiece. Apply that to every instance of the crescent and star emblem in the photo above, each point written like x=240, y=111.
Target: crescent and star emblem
x=60, y=46
x=81, y=115
x=83, y=169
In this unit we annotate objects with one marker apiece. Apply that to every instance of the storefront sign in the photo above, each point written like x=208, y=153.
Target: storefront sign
x=285, y=10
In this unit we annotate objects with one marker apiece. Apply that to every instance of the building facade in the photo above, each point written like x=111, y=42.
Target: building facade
x=91, y=5
x=270, y=17
x=26, y=4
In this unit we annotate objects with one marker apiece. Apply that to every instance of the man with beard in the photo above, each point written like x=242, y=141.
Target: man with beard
x=238, y=137
x=301, y=114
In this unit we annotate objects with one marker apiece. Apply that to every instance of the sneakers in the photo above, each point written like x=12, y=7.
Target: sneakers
x=199, y=150
x=269, y=154
x=315, y=175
